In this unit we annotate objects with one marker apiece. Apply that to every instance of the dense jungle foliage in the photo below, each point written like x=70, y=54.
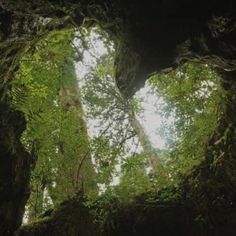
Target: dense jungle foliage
x=118, y=161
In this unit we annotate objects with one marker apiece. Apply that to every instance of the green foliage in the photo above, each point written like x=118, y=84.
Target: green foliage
x=193, y=95
x=134, y=179
x=106, y=157
x=44, y=89
x=40, y=70
x=106, y=105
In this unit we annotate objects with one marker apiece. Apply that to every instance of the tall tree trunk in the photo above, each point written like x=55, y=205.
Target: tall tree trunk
x=153, y=158
x=151, y=155
x=85, y=174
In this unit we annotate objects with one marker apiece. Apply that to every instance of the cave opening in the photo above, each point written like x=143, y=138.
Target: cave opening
x=186, y=55
x=86, y=136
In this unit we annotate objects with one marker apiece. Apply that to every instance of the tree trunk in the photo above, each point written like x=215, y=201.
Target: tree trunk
x=152, y=157
x=85, y=174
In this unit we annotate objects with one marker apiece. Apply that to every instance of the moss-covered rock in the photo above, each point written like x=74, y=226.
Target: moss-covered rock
x=71, y=218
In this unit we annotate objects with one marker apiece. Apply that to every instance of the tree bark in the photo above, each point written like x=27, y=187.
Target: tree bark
x=85, y=175
x=152, y=157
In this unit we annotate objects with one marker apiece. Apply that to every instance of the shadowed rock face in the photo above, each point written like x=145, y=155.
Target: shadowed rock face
x=15, y=165
x=164, y=34
x=150, y=36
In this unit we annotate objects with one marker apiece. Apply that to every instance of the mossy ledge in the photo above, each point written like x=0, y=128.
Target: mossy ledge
x=72, y=218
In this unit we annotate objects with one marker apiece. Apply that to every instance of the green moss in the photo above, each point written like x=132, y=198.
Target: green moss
x=71, y=218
